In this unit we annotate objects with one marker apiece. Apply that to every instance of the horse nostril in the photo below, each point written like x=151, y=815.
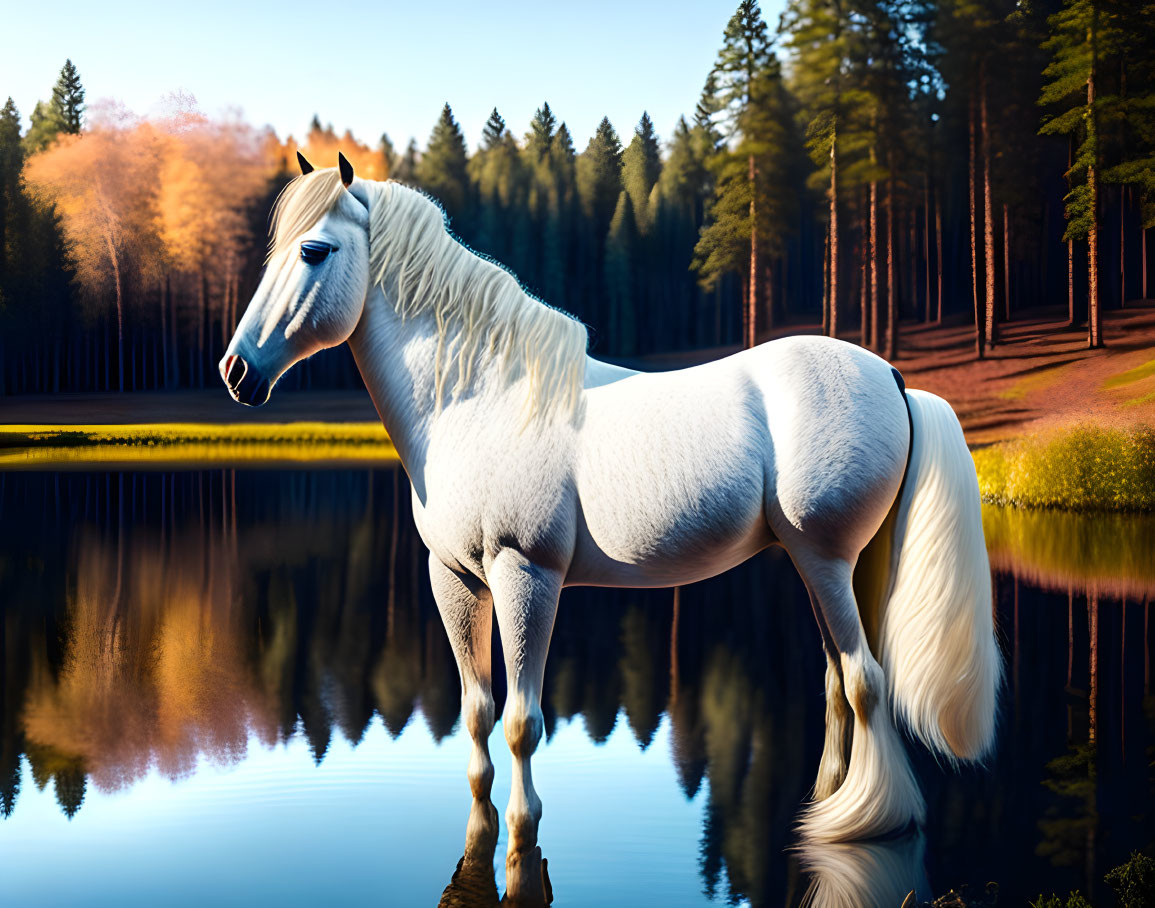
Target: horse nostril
x=235, y=369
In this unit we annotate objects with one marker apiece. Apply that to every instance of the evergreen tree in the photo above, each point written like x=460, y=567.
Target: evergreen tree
x=599, y=175
x=541, y=132
x=442, y=168
x=495, y=173
x=751, y=210
x=11, y=163
x=1084, y=37
x=823, y=42
x=641, y=167
x=68, y=99
x=621, y=245
x=44, y=127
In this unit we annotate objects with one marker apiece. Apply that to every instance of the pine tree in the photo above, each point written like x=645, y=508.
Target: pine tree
x=11, y=163
x=599, y=175
x=822, y=41
x=541, y=132
x=621, y=243
x=641, y=167
x=442, y=168
x=45, y=126
x=1084, y=37
x=752, y=206
x=68, y=99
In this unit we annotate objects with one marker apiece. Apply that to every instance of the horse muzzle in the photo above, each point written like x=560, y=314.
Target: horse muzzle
x=246, y=385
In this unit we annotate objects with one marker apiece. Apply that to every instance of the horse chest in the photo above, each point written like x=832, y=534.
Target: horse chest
x=483, y=497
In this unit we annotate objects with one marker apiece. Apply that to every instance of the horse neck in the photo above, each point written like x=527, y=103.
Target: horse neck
x=395, y=357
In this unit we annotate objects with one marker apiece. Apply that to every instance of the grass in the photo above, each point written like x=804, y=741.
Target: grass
x=169, y=443
x=1131, y=375
x=1082, y=469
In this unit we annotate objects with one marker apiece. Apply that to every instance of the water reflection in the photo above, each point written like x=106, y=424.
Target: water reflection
x=151, y=622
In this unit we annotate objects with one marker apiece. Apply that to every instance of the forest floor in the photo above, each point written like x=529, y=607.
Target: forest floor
x=1041, y=376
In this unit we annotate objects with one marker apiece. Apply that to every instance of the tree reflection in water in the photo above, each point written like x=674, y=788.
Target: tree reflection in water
x=153, y=620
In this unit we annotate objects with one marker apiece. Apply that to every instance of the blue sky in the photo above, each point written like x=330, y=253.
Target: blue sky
x=376, y=67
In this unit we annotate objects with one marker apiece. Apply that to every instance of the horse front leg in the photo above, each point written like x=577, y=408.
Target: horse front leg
x=525, y=599
x=466, y=609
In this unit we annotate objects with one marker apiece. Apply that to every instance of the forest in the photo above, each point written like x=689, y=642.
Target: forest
x=858, y=166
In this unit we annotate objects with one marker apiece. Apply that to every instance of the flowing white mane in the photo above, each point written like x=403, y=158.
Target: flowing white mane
x=479, y=307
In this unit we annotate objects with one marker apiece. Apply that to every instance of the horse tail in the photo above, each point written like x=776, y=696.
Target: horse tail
x=935, y=632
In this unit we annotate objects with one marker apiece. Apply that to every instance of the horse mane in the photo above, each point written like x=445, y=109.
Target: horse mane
x=478, y=306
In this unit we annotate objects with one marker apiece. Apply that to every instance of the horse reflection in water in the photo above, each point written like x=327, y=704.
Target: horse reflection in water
x=535, y=467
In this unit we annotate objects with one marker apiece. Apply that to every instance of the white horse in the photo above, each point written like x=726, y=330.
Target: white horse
x=536, y=467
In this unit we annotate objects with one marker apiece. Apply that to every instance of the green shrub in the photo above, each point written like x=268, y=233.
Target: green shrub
x=1134, y=882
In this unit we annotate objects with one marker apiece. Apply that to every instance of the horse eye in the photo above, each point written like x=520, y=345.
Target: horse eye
x=314, y=252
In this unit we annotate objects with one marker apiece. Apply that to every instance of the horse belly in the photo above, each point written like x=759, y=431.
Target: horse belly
x=671, y=486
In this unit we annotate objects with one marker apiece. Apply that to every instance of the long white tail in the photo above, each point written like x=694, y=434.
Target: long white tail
x=936, y=636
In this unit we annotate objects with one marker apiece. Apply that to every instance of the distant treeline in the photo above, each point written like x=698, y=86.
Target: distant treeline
x=868, y=161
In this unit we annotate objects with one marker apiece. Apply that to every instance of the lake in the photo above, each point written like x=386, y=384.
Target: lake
x=233, y=687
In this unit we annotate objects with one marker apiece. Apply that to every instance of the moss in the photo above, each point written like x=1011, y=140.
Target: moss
x=1083, y=469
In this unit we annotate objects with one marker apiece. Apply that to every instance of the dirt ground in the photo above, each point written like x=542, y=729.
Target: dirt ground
x=1041, y=375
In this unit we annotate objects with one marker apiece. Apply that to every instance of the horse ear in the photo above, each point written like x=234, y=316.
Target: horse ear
x=305, y=166
x=346, y=169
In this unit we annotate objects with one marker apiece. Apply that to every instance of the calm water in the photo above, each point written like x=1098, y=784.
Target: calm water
x=234, y=688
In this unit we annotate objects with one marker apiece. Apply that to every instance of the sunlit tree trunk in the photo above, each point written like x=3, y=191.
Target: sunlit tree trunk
x=971, y=165
x=833, y=295
x=988, y=210
x=1093, y=335
x=891, y=295
x=1006, y=263
x=875, y=336
x=751, y=327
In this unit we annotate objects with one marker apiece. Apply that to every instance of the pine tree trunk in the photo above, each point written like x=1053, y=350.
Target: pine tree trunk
x=988, y=212
x=1070, y=283
x=1006, y=263
x=1093, y=335
x=751, y=326
x=833, y=301
x=938, y=252
x=971, y=164
x=891, y=296
x=1070, y=246
x=1143, y=260
x=875, y=336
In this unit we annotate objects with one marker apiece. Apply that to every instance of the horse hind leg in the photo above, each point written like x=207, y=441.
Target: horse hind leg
x=839, y=718
x=879, y=793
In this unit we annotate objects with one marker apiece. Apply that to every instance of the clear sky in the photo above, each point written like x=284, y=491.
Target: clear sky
x=377, y=67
